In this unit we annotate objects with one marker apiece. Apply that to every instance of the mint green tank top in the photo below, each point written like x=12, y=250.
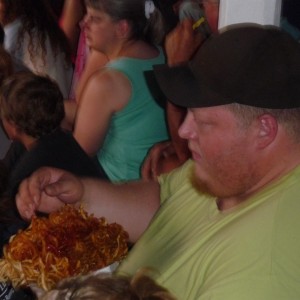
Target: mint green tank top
x=137, y=127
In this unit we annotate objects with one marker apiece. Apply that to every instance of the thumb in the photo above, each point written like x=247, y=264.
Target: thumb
x=65, y=190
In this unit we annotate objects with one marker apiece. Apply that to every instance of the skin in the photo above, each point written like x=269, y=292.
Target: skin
x=95, y=61
x=72, y=13
x=48, y=189
x=3, y=19
x=2, y=12
x=224, y=153
x=211, y=8
x=231, y=162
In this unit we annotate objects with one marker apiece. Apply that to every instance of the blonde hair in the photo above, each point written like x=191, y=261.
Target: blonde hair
x=288, y=118
x=109, y=287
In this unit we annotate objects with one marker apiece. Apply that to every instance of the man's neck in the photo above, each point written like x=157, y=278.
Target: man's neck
x=277, y=171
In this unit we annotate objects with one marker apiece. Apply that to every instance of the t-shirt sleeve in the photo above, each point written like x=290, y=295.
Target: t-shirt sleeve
x=172, y=181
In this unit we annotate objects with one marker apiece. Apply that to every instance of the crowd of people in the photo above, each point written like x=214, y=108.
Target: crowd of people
x=148, y=115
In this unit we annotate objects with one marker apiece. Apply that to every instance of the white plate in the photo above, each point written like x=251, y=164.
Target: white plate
x=109, y=269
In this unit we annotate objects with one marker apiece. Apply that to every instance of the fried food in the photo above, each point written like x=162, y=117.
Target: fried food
x=68, y=242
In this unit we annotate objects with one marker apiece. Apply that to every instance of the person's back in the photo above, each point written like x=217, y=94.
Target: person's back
x=135, y=128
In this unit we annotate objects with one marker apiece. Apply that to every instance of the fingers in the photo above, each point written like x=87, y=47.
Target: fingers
x=28, y=199
x=151, y=169
x=46, y=190
x=146, y=169
x=25, y=201
x=69, y=189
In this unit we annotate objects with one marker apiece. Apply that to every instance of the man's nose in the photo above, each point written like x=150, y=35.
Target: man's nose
x=185, y=131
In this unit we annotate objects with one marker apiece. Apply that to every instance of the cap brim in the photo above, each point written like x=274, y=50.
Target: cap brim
x=178, y=84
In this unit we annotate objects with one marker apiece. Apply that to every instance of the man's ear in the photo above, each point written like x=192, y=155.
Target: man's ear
x=267, y=130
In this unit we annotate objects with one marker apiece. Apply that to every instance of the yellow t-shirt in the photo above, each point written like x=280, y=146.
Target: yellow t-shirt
x=251, y=252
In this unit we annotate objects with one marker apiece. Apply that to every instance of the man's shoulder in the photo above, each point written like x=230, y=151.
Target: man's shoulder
x=180, y=174
x=177, y=182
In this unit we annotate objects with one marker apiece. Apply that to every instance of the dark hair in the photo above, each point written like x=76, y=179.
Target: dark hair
x=291, y=10
x=6, y=64
x=1, y=35
x=38, y=20
x=151, y=30
x=3, y=178
x=34, y=103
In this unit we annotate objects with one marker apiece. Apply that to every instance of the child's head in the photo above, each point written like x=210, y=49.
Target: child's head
x=32, y=104
x=108, y=287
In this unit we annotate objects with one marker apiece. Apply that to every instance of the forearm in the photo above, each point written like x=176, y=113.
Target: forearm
x=72, y=13
x=182, y=42
x=132, y=205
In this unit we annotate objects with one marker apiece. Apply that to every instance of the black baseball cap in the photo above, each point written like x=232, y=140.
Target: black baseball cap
x=248, y=64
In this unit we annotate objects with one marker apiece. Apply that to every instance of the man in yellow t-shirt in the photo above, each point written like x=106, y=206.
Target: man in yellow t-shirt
x=225, y=225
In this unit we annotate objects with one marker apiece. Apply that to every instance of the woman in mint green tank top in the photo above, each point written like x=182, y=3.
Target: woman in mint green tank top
x=117, y=119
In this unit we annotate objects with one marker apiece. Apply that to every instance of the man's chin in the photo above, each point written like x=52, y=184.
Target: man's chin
x=200, y=184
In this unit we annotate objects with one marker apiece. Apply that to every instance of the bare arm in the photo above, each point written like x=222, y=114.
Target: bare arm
x=72, y=13
x=131, y=204
x=182, y=43
x=105, y=93
x=95, y=61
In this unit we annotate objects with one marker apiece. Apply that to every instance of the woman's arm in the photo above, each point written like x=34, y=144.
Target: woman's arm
x=72, y=13
x=95, y=61
x=106, y=92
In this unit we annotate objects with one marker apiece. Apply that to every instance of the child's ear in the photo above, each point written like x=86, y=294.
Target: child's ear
x=267, y=131
x=11, y=128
